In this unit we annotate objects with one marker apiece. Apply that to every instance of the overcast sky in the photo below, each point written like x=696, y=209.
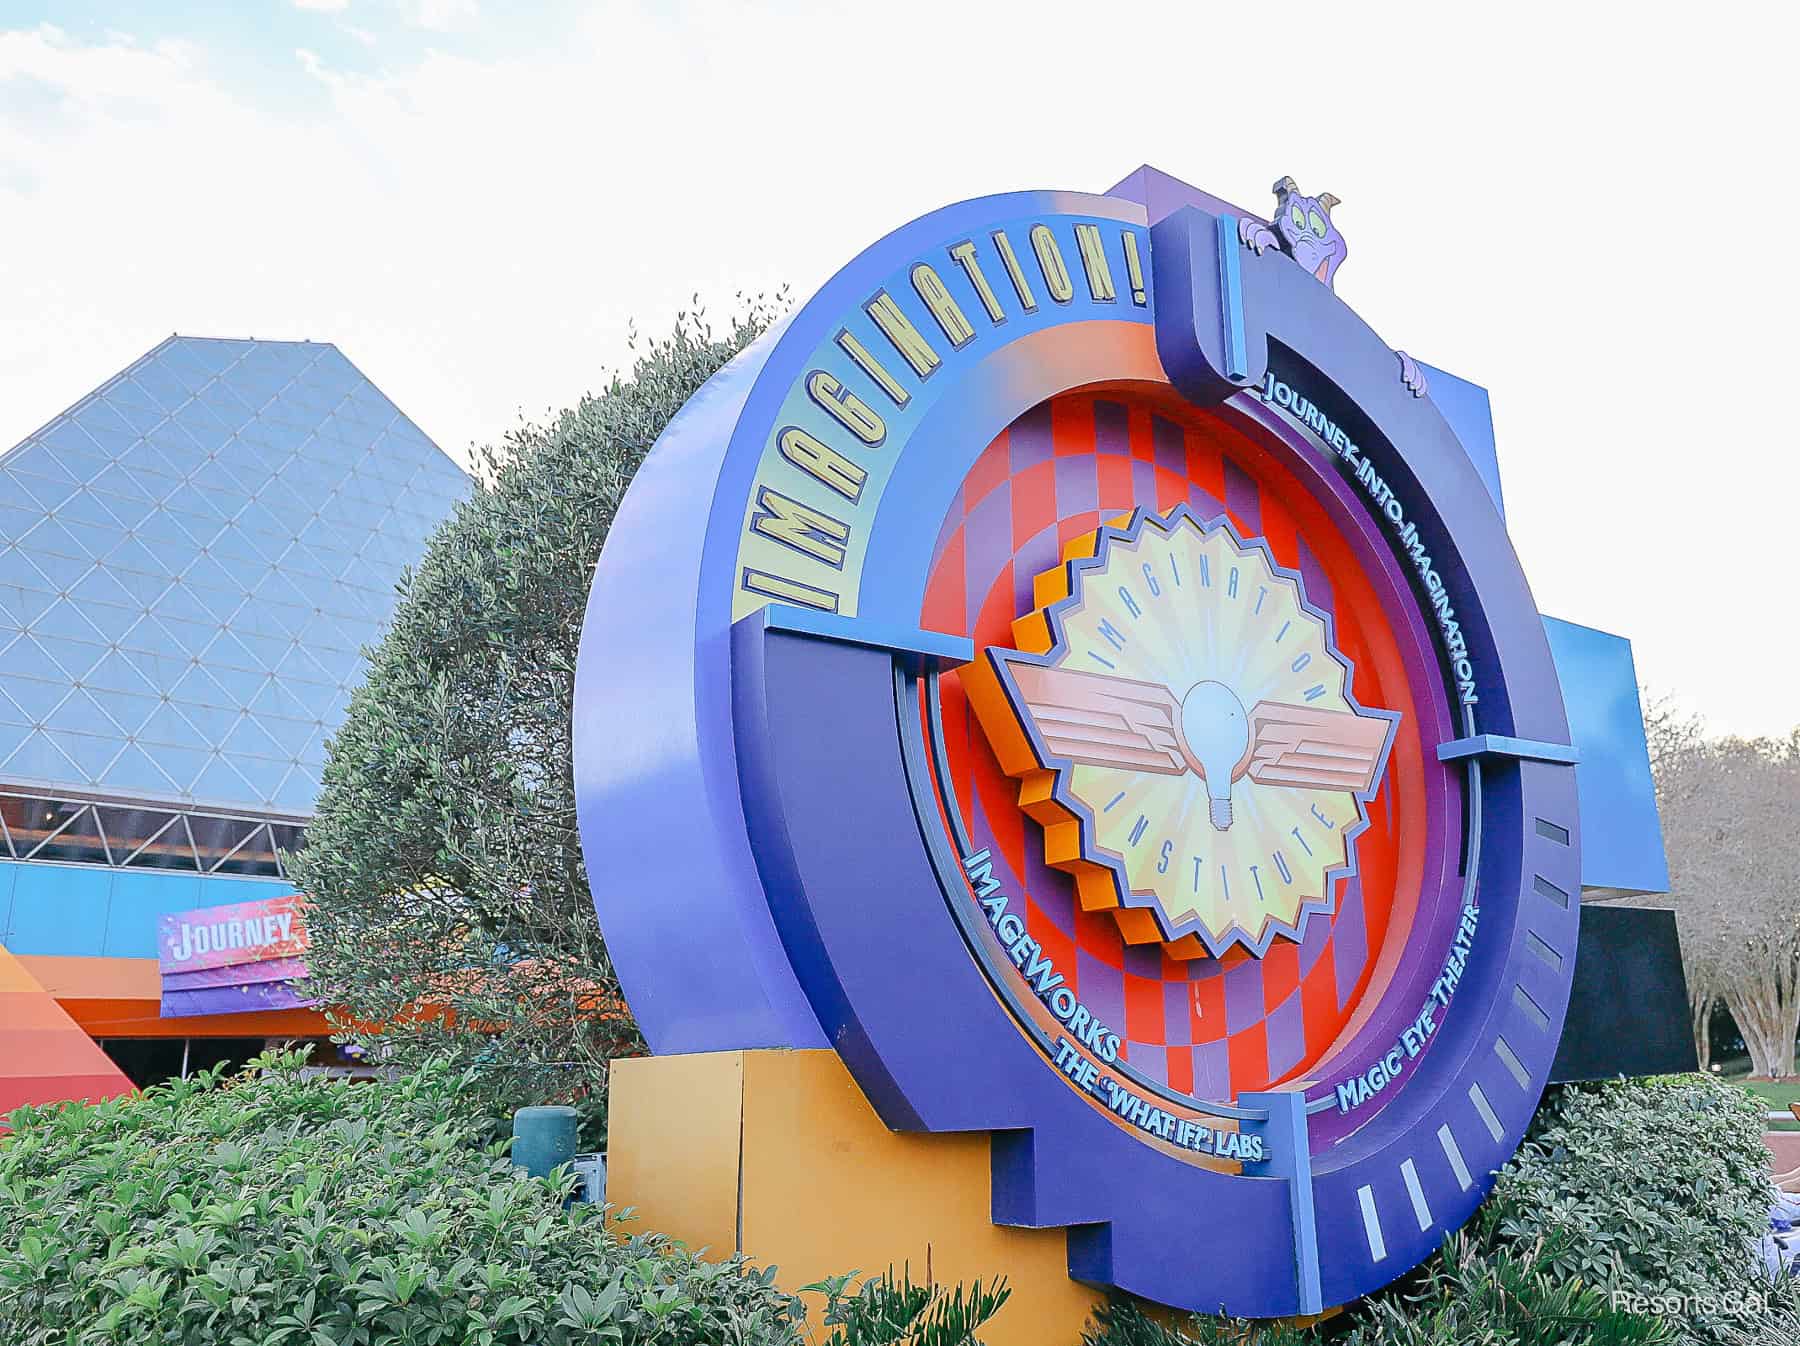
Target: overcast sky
x=1590, y=209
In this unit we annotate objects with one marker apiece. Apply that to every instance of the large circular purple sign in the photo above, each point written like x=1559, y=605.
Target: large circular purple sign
x=1072, y=670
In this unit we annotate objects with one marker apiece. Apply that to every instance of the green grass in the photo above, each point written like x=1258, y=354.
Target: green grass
x=1772, y=1096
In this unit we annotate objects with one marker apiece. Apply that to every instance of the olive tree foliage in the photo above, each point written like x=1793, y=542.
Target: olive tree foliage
x=1729, y=810
x=1672, y=735
x=450, y=907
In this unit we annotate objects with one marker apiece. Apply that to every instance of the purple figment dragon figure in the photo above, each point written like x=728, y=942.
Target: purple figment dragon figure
x=1303, y=231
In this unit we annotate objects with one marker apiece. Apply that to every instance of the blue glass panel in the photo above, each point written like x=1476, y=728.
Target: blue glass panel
x=152, y=485
x=137, y=417
x=138, y=555
x=37, y=698
x=288, y=619
x=160, y=668
x=220, y=606
x=96, y=415
x=126, y=710
x=60, y=910
x=167, y=726
x=159, y=530
x=161, y=384
x=18, y=606
x=81, y=716
x=111, y=621
x=206, y=573
x=94, y=541
x=40, y=459
x=98, y=586
x=139, y=901
x=198, y=684
x=277, y=699
x=36, y=758
x=90, y=753
x=15, y=518
x=182, y=765
x=113, y=444
x=263, y=776
x=65, y=618
x=72, y=659
x=297, y=793
x=24, y=658
x=86, y=507
x=247, y=738
x=289, y=736
x=230, y=408
x=204, y=425
x=219, y=783
x=210, y=724
x=182, y=602
x=228, y=652
x=295, y=430
x=191, y=638
x=16, y=721
x=138, y=771
x=181, y=442
x=219, y=890
x=51, y=537
x=8, y=873
x=241, y=685
x=267, y=650
x=234, y=546
x=183, y=360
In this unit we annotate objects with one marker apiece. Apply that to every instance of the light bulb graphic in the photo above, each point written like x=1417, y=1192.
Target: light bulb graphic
x=1217, y=733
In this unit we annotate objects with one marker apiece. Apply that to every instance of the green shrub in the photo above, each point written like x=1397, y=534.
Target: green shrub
x=1655, y=1187
x=1462, y=1297
x=283, y=1211
x=1506, y=1296
x=1627, y=1218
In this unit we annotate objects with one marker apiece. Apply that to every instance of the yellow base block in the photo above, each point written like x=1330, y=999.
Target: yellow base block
x=778, y=1155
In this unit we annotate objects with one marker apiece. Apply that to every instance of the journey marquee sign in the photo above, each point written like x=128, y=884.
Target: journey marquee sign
x=1071, y=670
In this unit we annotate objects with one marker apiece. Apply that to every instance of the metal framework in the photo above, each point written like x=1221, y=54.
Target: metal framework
x=43, y=828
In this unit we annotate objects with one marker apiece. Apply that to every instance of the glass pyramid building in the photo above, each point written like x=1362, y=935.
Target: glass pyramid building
x=191, y=559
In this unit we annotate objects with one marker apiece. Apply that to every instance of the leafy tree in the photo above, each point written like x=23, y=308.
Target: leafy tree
x=1673, y=736
x=1728, y=807
x=450, y=906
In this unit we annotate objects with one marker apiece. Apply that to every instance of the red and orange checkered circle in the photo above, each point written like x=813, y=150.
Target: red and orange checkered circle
x=1199, y=1026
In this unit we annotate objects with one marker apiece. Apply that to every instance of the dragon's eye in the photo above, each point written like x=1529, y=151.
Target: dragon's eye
x=1299, y=219
x=1318, y=223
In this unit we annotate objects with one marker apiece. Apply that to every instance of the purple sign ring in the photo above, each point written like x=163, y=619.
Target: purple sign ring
x=758, y=725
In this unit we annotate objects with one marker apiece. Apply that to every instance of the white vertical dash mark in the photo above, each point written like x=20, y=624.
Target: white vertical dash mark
x=1371, y=1223
x=1510, y=1060
x=1453, y=1152
x=1421, y=1212
x=1482, y=1106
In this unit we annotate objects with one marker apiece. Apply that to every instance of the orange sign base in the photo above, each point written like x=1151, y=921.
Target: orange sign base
x=777, y=1154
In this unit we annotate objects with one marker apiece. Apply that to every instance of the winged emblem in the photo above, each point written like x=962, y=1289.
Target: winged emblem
x=1099, y=720
x=1164, y=645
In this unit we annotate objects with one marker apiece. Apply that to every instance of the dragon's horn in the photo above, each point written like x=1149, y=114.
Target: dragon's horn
x=1327, y=201
x=1285, y=186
